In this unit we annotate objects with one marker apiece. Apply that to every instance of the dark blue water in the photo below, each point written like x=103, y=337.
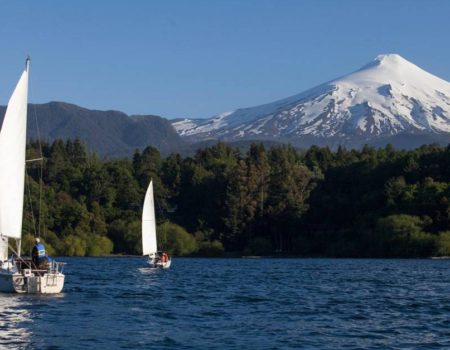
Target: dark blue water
x=117, y=303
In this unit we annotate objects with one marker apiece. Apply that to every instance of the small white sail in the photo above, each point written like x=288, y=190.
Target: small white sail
x=12, y=160
x=148, y=223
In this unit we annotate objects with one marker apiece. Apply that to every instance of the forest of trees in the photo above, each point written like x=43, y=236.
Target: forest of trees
x=278, y=201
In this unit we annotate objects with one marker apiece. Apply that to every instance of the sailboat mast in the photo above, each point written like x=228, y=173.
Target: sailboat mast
x=19, y=240
x=19, y=247
x=3, y=248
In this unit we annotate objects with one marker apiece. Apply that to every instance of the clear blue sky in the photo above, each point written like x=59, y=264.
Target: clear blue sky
x=197, y=58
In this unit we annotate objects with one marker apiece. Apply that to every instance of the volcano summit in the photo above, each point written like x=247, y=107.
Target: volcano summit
x=389, y=100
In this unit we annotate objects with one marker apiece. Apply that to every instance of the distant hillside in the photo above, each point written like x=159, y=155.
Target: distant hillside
x=109, y=133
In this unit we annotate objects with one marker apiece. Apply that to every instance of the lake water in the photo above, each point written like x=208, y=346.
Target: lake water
x=118, y=303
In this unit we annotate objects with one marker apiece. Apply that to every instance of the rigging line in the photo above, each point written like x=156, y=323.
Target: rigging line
x=160, y=209
x=33, y=160
x=41, y=220
x=38, y=132
x=163, y=220
x=27, y=181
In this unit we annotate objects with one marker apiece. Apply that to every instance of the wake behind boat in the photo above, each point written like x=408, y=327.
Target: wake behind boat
x=149, y=242
x=18, y=274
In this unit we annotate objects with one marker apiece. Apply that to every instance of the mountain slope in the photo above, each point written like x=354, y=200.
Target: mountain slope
x=387, y=97
x=109, y=133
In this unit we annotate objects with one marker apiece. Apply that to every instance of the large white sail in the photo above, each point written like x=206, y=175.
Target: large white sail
x=148, y=223
x=12, y=160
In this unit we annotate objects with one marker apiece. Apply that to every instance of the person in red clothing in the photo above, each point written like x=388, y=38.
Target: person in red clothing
x=164, y=257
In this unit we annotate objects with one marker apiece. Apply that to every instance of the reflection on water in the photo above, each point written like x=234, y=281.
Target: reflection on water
x=148, y=279
x=14, y=320
x=147, y=270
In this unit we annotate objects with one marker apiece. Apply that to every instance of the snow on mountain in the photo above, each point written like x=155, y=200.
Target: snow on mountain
x=386, y=97
x=183, y=126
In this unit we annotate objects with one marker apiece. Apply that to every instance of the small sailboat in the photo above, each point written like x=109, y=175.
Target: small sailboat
x=149, y=244
x=18, y=274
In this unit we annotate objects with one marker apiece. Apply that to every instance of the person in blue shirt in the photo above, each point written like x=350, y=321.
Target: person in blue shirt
x=39, y=255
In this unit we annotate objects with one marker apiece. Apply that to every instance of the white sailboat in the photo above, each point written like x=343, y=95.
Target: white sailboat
x=18, y=274
x=149, y=243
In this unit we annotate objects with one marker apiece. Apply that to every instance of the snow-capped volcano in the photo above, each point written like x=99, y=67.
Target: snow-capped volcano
x=386, y=97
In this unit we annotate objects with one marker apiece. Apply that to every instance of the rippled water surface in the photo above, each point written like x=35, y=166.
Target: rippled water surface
x=118, y=303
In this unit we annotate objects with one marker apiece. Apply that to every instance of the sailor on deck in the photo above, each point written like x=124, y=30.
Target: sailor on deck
x=39, y=254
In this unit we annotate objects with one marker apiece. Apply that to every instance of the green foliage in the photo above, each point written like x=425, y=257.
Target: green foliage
x=443, y=244
x=178, y=241
x=259, y=246
x=208, y=248
x=27, y=244
x=369, y=202
x=98, y=245
x=73, y=246
x=402, y=235
x=126, y=236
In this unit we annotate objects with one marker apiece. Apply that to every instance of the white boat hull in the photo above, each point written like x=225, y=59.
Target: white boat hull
x=159, y=264
x=48, y=283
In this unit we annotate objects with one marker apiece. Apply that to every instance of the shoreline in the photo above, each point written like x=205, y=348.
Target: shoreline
x=258, y=257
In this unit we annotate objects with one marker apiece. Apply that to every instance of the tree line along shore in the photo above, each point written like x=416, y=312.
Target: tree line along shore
x=372, y=202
